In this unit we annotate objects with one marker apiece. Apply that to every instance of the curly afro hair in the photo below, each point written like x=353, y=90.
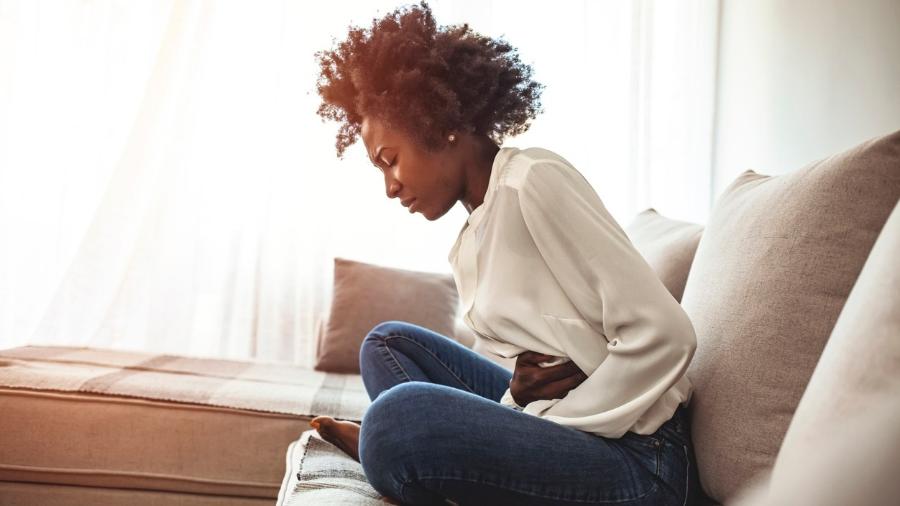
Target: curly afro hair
x=425, y=81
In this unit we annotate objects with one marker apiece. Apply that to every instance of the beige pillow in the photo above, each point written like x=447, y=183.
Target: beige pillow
x=667, y=245
x=771, y=274
x=846, y=430
x=365, y=295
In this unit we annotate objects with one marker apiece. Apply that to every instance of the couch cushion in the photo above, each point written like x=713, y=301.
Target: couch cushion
x=849, y=416
x=773, y=269
x=667, y=245
x=45, y=494
x=365, y=295
x=117, y=419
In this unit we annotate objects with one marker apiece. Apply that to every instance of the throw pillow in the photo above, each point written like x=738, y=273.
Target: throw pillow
x=667, y=245
x=365, y=295
x=773, y=269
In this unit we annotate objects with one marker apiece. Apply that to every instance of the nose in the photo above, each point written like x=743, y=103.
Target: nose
x=392, y=187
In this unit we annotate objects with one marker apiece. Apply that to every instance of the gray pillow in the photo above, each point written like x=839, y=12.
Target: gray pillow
x=667, y=245
x=365, y=295
x=773, y=269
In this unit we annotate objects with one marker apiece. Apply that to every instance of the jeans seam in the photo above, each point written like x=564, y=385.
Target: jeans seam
x=658, y=457
x=405, y=484
x=396, y=362
x=687, y=474
x=438, y=359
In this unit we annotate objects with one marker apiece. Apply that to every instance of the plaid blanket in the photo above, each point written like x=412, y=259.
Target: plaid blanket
x=317, y=472
x=261, y=386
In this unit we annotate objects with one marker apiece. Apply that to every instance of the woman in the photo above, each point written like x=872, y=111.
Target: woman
x=594, y=412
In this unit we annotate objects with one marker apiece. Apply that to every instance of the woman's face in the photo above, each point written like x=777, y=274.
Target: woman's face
x=429, y=182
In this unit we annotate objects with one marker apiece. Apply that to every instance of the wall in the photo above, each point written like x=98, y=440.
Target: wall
x=799, y=80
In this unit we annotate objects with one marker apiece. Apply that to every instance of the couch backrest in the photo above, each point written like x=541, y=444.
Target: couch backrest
x=773, y=269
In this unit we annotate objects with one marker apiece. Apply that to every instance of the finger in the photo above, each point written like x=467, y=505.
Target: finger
x=558, y=389
x=561, y=370
x=533, y=357
x=558, y=371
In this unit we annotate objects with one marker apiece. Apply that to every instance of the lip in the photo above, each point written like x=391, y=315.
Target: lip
x=408, y=202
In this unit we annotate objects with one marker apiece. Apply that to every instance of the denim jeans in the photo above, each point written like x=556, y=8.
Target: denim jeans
x=436, y=433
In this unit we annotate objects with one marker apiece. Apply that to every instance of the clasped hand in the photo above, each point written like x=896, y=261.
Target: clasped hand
x=531, y=382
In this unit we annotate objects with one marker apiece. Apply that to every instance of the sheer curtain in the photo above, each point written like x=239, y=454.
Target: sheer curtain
x=165, y=184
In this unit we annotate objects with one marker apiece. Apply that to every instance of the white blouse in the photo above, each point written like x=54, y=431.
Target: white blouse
x=541, y=265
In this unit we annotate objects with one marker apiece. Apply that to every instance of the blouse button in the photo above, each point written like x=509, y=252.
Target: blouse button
x=614, y=342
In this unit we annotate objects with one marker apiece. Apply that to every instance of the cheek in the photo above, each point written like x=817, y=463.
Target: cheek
x=444, y=179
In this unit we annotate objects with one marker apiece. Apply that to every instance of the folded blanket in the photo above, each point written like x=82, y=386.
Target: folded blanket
x=317, y=472
x=261, y=386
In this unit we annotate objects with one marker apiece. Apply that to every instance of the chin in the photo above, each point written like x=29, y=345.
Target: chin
x=432, y=218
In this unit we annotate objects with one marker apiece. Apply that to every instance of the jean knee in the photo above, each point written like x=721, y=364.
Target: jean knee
x=389, y=327
x=417, y=408
x=382, y=439
x=375, y=338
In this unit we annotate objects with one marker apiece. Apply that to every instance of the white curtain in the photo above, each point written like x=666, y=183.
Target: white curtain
x=165, y=184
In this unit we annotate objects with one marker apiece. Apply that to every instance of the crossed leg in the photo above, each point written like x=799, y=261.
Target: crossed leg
x=435, y=431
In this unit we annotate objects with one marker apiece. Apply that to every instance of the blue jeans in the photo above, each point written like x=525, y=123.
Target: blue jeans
x=436, y=433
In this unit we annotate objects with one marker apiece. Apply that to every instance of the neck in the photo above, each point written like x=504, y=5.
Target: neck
x=478, y=170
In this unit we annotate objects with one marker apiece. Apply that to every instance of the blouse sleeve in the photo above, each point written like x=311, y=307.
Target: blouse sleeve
x=648, y=336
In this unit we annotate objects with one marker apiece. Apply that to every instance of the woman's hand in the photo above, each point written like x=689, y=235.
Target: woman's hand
x=531, y=382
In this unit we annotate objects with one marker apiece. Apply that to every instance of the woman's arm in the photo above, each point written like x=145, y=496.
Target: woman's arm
x=648, y=337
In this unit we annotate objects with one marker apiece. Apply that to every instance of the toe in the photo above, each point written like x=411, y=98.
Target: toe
x=321, y=421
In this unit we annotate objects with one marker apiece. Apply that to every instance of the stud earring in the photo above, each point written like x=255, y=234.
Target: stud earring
x=451, y=138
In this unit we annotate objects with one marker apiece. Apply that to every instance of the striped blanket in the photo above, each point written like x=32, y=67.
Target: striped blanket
x=261, y=386
x=317, y=472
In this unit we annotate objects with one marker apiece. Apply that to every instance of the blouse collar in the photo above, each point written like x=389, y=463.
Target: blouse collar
x=500, y=159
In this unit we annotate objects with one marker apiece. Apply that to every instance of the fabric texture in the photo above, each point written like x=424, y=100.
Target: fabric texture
x=668, y=245
x=97, y=419
x=542, y=230
x=849, y=415
x=773, y=269
x=365, y=295
x=317, y=472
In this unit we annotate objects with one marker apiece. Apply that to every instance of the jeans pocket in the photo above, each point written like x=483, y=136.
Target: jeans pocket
x=647, y=448
x=676, y=429
x=676, y=472
x=670, y=433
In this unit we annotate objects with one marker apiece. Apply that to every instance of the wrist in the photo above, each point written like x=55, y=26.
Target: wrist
x=508, y=400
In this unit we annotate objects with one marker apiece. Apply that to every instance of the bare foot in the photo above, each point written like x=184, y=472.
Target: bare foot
x=344, y=435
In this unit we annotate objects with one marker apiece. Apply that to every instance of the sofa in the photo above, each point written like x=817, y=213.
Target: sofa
x=793, y=287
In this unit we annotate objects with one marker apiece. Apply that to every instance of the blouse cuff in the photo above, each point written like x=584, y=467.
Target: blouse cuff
x=508, y=400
